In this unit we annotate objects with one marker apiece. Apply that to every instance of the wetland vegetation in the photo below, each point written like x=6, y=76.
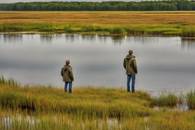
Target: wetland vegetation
x=102, y=22
x=38, y=107
x=42, y=107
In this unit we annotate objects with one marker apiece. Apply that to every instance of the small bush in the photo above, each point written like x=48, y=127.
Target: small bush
x=169, y=100
x=11, y=28
x=118, y=31
x=46, y=28
x=188, y=31
x=15, y=101
x=91, y=28
x=68, y=29
x=191, y=100
x=9, y=82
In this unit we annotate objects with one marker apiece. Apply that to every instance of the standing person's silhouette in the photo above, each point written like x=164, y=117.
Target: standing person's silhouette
x=131, y=70
x=67, y=75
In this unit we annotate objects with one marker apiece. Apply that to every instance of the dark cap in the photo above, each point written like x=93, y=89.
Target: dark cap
x=67, y=62
x=130, y=52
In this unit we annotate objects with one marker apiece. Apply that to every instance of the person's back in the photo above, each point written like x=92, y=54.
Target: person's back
x=67, y=75
x=130, y=64
x=131, y=70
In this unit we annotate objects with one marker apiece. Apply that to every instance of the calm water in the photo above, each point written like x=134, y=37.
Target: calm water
x=164, y=63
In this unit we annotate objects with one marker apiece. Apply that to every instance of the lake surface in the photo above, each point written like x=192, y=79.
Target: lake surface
x=164, y=63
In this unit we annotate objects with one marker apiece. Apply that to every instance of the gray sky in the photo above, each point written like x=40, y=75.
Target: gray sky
x=12, y=1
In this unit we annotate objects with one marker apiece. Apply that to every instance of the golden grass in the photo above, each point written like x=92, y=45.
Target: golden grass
x=100, y=22
x=85, y=109
x=101, y=17
x=87, y=102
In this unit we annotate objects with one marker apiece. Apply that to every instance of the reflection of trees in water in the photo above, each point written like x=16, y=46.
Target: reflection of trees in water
x=118, y=40
x=88, y=37
x=46, y=38
x=9, y=38
x=188, y=42
x=143, y=40
x=102, y=38
x=71, y=37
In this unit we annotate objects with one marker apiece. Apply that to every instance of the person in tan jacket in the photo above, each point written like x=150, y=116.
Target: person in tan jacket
x=67, y=75
x=130, y=66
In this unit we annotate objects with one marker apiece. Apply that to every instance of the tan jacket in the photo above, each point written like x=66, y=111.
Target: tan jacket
x=67, y=74
x=130, y=65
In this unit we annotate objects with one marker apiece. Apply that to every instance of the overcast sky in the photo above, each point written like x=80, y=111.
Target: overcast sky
x=13, y=1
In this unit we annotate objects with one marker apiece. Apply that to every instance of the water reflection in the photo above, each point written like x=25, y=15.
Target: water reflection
x=48, y=38
x=188, y=43
x=97, y=60
x=10, y=38
x=88, y=37
x=102, y=39
x=71, y=37
x=144, y=40
x=118, y=40
x=185, y=43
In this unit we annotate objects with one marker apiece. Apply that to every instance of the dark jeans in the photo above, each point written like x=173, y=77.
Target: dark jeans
x=131, y=82
x=68, y=84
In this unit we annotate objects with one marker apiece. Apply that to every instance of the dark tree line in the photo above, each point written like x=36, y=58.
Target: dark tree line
x=169, y=5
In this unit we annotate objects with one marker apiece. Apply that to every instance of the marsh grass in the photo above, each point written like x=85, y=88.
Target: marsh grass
x=85, y=102
x=49, y=108
x=142, y=29
x=10, y=82
x=191, y=100
x=168, y=120
x=165, y=100
x=102, y=22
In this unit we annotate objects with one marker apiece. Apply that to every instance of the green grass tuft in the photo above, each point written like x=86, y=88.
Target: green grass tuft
x=191, y=100
x=169, y=100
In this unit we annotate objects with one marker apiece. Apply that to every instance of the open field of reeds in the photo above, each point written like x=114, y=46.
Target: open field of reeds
x=102, y=22
x=50, y=108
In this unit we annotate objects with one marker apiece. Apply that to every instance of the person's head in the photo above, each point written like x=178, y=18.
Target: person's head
x=67, y=62
x=130, y=52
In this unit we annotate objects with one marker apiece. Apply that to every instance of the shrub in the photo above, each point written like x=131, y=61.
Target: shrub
x=169, y=100
x=191, y=100
x=118, y=31
x=15, y=101
x=9, y=82
x=188, y=31
x=46, y=28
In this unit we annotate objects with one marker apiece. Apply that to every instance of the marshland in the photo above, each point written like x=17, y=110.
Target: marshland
x=43, y=107
x=34, y=45
x=100, y=22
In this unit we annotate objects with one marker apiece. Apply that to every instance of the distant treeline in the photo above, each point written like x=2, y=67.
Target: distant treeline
x=169, y=5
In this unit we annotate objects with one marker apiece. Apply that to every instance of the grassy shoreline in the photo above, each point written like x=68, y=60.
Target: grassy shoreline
x=113, y=30
x=49, y=108
x=100, y=22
